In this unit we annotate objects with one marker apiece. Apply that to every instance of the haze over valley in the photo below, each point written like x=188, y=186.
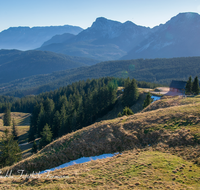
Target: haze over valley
x=111, y=40
x=110, y=80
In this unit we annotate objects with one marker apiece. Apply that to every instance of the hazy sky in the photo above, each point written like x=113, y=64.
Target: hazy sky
x=84, y=12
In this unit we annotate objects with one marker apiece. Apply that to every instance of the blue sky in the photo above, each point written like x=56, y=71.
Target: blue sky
x=84, y=12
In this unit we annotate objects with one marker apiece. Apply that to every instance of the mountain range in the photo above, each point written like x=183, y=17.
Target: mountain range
x=104, y=40
x=179, y=37
x=112, y=40
x=26, y=38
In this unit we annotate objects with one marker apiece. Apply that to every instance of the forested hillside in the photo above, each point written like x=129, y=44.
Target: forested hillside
x=17, y=64
x=159, y=149
x=150, y=70
x=74, y=106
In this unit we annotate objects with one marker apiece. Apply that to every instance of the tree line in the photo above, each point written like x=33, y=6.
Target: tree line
x=160, y=70
x=65, y=110
x=76, y=106
x=72, y=107
x=192, y=87
x=26, y=103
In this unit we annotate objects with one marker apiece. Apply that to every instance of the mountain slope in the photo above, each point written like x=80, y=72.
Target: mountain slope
x=15, y=64
x=58, y=39
x=104, y=40
x=150, y=70
x=167, y=128
x=179, y=37
x=25, y=38
x=104, y=31
x=133, y=169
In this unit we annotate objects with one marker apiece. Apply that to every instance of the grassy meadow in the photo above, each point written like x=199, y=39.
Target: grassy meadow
x=133, y=169
x=22, y=121
x=159, y=146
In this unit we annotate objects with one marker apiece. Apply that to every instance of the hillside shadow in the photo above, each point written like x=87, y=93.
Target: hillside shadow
x=23, y=138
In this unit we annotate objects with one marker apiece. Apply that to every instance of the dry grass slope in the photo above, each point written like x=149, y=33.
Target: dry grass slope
x=173, y=129
x=134, y=169
x=22, y=121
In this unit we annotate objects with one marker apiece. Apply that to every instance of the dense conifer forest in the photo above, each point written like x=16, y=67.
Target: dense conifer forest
x=72, y=107
x=27, y=103
x=161, y=71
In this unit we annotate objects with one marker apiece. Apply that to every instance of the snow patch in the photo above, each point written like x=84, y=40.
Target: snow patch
x=80, y=161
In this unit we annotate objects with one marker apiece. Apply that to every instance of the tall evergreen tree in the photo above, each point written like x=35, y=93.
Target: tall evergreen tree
x=31, y=133
x=74, y=121
x=147, y=100
x=34, y=123
x=195, y=86
x=49, y=108
x=188, y=87
x=46, y=136
x=14, y=130
x=56, y=124
x=7, y=117
x=63, y=128
x=10, y=151
x=130, y=94
x=41, y=120
x=34, y=147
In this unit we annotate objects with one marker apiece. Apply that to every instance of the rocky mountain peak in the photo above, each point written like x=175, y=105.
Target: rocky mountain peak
x=102, y=23
x=184, y=18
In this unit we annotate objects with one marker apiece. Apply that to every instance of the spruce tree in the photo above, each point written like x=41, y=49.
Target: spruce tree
x=49, y=106
x=56, y=124
x=74, y=121
x=127, y=111
x=195, y=86
x=14, y=130
x=63, y=119
x=34, y=147
x=31, y=133
x=7, y=117
x=34, y=123
x=188, y=87
x=46, y=136
x=130, y=94
x=147, y=100
x=41, y=120
x=10, y=151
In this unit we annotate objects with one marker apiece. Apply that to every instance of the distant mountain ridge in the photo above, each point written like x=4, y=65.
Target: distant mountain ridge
x=179, y=37
x=15, y=64
x=112, y=40
x=161, y=71
x=59, y=39
x=104, y=40
x=26, y=38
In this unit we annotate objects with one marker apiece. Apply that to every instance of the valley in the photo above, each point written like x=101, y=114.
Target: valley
x=115, y=88
x=162, y=139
